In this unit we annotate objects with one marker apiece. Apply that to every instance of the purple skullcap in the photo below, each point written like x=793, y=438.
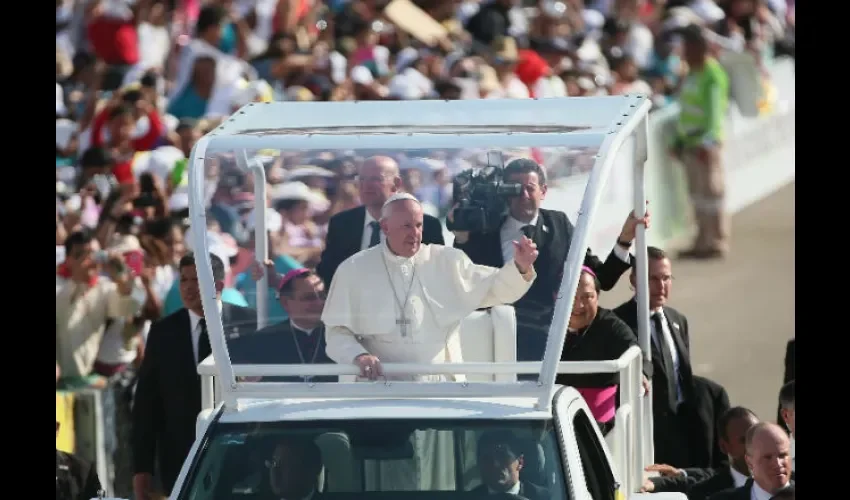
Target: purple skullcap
x=588, y=270
x=290, y=275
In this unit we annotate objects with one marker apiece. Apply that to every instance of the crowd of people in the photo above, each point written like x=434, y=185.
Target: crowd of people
x=140, y=81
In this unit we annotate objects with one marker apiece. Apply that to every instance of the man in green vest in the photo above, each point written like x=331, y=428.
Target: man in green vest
x=699, y=140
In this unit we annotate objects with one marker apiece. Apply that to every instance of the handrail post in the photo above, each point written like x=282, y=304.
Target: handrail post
x=261, y=244
x=644, y=418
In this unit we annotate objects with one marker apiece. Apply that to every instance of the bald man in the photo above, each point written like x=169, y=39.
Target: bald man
x=769, y=458
x=357, y=229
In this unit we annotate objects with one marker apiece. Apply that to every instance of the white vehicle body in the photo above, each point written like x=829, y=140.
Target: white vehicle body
x=492, y=392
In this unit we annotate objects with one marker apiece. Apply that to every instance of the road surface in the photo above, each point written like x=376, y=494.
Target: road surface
x=741, y=310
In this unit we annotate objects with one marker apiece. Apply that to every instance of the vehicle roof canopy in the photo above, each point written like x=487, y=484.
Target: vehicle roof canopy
x=598, y=124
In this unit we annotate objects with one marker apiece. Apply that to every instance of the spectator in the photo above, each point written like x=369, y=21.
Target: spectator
x=787, y=404
x=86, y=301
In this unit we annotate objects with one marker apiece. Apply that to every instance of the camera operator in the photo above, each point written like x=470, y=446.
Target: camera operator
x=552, y=232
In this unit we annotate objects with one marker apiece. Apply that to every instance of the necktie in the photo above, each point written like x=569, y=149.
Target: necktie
x=204, y=348
x=529, y=231
x=375, y=238
x=667, y=359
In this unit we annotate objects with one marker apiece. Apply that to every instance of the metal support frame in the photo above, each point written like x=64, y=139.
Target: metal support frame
x=239, y=135
x=632, y=120
x=261, y=235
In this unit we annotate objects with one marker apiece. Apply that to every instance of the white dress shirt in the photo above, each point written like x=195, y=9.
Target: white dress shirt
x=757, y=493
x=513, y=491
x=671, y=344
x=511, y=231
x=367, y=232
x=738, y=478
x=194, y=321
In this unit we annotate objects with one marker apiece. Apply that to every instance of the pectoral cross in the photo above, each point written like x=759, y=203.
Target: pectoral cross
x=402, y=323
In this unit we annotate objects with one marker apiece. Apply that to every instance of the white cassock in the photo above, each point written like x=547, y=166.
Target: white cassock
x=361, y=315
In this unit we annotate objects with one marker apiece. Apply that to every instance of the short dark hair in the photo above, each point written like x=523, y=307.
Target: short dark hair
x=525, y=166
x=305, y=448
x=96, y=157
x=731, y=414
x=209, y=16
x=655, y=253
x=215, y=262
x=288, y=288
x=120, y=110
x=503, y=439
x=786, y=395
x=77, y=239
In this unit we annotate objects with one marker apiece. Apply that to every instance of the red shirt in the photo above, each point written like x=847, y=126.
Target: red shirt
x=123, y=171
x=114, y=40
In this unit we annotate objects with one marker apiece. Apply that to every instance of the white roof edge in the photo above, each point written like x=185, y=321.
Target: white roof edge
x=578, y=112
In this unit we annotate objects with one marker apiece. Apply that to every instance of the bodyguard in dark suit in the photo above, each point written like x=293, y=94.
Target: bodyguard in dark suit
x=168, y=394
x=298, y=340
x=500, y=460
x=770, y=461
x=789, y=373
x=76, y=479
x=552, y=232
x=685, y=407
x=700, y=483
x=358, y=229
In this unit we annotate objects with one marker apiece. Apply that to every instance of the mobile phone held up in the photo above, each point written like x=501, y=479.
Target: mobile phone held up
x=132, y=260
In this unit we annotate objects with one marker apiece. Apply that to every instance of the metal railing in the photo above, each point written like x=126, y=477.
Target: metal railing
x=630, y=440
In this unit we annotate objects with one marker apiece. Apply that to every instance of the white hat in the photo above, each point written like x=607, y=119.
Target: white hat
x=399, y=196
x=60, y=101
x=303, y=171
x=274, y=221
x=65, y=129
x=297, y=190
x=362, y=75
x=402, y=87
x=405, y=58
x=425, y=164
x=215, y=245
x=707, y=10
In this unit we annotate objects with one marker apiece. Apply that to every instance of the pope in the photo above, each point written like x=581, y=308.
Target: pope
x=403, y=301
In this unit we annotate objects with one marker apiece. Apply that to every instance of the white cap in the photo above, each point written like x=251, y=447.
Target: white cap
x=362, y=75
x=400, y=196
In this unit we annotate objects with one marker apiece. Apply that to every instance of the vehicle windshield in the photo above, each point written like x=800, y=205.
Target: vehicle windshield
x=306, y=188
x=378, y=459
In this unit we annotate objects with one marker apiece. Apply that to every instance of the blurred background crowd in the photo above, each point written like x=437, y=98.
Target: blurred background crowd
x=138, y=82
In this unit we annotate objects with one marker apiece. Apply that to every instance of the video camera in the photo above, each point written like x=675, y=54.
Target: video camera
x=481, y=197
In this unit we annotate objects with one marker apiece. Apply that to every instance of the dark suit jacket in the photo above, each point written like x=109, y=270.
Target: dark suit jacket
x=742, y=493
x=788, y=375
x=76, y=479
x=168, y=392
x=682, y=484
x=528, y=490
x=678, y=326
x=345, y=233
x=276, y=344
x=553, y=235
x=722, y=480
x=705, y=399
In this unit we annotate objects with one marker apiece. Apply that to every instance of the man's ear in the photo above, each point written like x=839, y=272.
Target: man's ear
x=219, y=286
x=520, y=462
x=397, y=183
x=724, y=447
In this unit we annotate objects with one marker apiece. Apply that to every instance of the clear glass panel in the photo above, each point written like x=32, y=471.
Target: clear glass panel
x=306, y=188
x=380, y=459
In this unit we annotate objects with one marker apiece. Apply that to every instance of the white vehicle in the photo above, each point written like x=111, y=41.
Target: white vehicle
x=417, y=440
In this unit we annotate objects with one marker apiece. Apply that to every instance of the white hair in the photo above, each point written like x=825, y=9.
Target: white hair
x=386, y=209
